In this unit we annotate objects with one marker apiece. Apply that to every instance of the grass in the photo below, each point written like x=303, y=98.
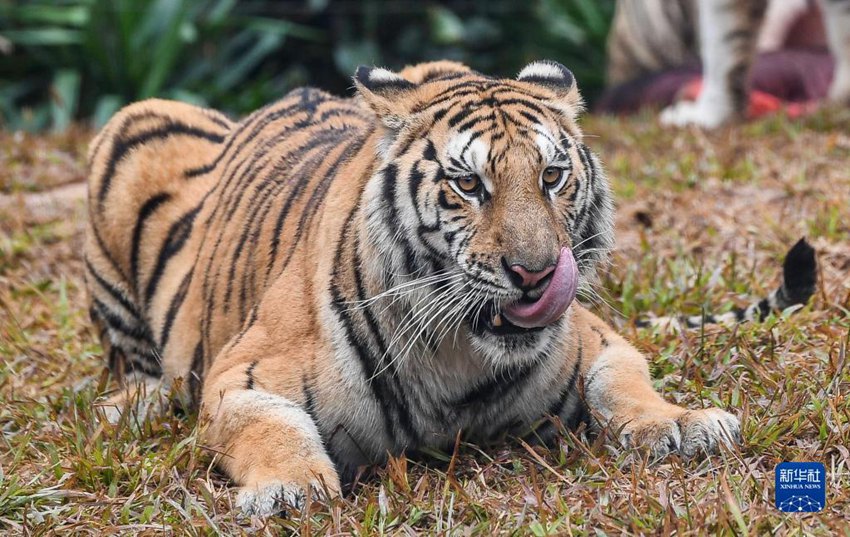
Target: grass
x=704, y=220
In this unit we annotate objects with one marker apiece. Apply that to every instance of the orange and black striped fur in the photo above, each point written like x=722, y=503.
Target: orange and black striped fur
x=331, y=279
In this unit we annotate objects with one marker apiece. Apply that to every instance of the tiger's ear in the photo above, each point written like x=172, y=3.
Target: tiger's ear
x=559, y=80
x=391, y=96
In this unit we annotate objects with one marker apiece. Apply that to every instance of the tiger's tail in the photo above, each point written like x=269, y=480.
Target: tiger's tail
x=799, y=280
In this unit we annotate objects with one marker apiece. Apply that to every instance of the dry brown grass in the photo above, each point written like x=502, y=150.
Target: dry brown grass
x=703, y=223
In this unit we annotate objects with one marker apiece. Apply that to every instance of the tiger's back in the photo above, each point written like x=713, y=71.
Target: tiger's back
x=193, y=216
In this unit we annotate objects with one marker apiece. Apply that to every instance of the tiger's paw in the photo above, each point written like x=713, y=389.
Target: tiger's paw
x=839, y=90
x=269, y=499
x=139, y=400
x=700, y=113
x=689, y=433
x=272, y=496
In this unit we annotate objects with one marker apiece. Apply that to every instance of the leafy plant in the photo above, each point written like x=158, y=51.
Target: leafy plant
x=66, y=59
x=493, y=36
x=87, y=58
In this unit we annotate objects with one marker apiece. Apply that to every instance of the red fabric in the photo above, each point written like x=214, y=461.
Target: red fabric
x=761, y=103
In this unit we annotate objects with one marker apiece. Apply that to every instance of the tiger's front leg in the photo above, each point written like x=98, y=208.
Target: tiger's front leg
x=270, y=445
x=618, y=390
x=728, y=32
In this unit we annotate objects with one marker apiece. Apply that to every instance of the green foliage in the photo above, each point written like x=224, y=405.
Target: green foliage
x=87, y=58
x=496, y=37
x=62, y=60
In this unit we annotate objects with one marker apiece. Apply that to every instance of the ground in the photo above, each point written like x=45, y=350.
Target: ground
x=704, y=220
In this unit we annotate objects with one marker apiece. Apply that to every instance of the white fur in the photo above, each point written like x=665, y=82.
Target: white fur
x=477, y=154
x=548, y=150
x=143, y=396
x=778, y=20
x=245, y=406
x=596, y=391
x=472, y=154
x=714, y=105
x=714, y=427
x=270, y=499
x=837, y=22
x=457, y=143
x=384, y=145
x=542, y=70
x=383, y=75
x=544, y=142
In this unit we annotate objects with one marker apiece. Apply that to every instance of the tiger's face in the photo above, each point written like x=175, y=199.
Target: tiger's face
x=488, y=182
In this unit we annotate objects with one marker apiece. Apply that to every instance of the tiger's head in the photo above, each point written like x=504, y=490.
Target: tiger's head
x=485, y=192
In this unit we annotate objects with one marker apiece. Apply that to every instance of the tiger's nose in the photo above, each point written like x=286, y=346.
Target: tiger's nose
x=526, y=279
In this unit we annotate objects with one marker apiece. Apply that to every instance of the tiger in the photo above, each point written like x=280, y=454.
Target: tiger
x=330, y=281
x=647, y=36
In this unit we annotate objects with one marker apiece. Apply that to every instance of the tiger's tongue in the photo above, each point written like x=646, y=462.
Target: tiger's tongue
x=555, y=299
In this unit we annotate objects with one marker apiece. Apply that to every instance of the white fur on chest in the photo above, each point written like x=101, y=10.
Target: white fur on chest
x=433, y=386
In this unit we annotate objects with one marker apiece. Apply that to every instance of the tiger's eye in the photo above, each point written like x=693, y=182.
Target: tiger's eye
x=552, y=175
x=468, y=183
